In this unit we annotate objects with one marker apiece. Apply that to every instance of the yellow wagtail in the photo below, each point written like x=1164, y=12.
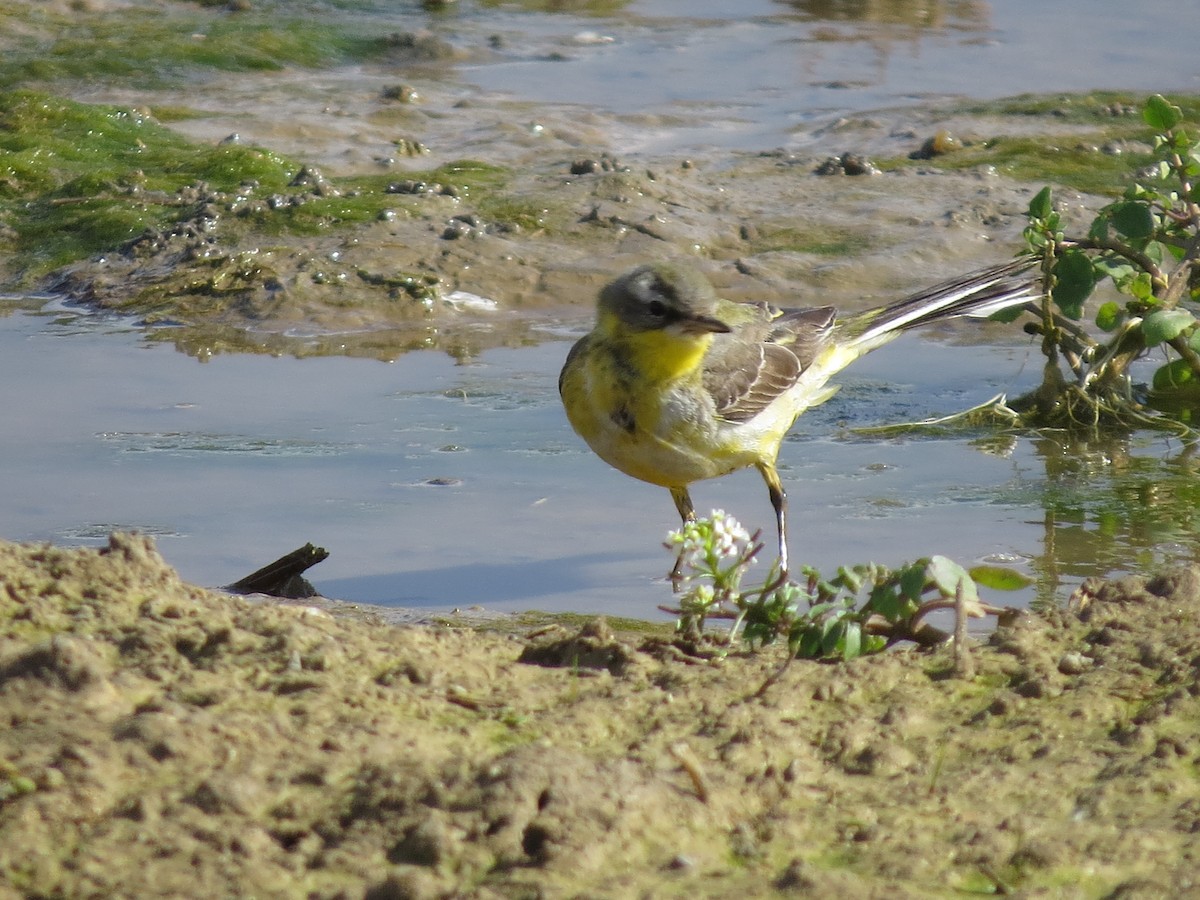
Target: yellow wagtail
x=675, y=385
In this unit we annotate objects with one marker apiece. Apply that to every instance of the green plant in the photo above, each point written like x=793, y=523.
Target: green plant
x=861, y=610
x=712, y=556
x=1147, y=243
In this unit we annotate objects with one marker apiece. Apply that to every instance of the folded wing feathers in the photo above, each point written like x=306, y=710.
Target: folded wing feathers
x=745, y=373
x=741, y=399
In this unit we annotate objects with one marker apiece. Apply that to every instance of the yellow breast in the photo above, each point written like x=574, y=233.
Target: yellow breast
x=639, y=402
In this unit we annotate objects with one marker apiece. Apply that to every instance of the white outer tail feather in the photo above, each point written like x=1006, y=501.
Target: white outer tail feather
x=978, y=295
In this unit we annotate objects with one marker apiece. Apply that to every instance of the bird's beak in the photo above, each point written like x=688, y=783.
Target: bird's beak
x=703, y=325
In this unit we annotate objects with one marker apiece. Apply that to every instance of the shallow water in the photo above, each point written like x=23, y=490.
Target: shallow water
x=436, y=484
x=753, y=73
x=466, y=485
x=667, y=77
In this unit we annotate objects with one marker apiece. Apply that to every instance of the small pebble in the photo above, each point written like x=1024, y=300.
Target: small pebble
x=1074, y=663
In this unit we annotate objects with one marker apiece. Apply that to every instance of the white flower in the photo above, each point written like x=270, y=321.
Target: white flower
x=693, y=539
x=729, y=538
x=706, y=548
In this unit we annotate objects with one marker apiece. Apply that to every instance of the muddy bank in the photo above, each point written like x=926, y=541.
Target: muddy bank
x=251, y=177
x=470, y=255
x=225, y=246
x=164, y=740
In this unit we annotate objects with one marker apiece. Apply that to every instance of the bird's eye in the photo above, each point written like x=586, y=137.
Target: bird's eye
x=656, y=308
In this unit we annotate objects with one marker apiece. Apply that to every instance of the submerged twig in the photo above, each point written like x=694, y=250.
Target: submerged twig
x=997, y=407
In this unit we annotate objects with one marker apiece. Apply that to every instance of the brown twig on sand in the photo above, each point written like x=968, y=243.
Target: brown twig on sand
x=687, y=760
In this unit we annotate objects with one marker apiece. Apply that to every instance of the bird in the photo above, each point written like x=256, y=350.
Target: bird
x=675, y=385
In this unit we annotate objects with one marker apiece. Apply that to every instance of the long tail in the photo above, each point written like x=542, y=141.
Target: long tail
x=979, y=294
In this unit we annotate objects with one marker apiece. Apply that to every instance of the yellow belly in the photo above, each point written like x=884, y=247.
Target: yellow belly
x=668, y=435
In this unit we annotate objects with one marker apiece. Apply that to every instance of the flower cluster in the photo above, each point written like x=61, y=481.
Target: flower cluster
x=704, y=543
x=713, y=555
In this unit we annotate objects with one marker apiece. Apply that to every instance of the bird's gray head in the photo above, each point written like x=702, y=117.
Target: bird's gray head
x=663, y=295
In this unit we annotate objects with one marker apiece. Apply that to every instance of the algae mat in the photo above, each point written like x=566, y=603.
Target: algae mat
x=160, y=739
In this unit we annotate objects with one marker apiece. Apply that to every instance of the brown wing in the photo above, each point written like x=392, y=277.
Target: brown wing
x=747, y=370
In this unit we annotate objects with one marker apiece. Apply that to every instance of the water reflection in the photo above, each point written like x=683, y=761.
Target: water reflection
x=462, y=340
x=1109, y=506
x=861, y=42
x=964, y=14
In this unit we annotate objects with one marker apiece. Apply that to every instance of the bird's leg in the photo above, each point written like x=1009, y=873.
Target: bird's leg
x=779, y=501
x=687, y=512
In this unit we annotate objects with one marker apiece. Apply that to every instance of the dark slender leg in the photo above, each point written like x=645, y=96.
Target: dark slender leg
x=683, y=503
x=687, y=512
x=779, y=501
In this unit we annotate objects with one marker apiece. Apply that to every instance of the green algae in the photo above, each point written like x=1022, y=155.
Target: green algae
x=1071, y=160
x=366, y=198
x=1098, y=107
x=1091, y=142
x=821, y=241
x=162, y=46
x=470, y=174
x=76, y=179
x=572, y=7
x=514, y=212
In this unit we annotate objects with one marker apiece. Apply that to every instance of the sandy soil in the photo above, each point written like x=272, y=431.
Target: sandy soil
x=160, y=739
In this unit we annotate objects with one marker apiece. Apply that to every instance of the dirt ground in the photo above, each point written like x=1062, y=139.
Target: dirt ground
x=159, y=739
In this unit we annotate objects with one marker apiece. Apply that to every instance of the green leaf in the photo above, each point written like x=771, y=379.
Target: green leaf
x=1109, y=316
x=1161, y=115
x=948, y=575
x=1138, y=191
x=886, y=602
x=1132, y=219
x=850, y=578
x=1074, y=280
x=1041, y=205
x=1140, y=287
x=807, y=641
x=834, y=630
x=912, y=582
x=852, y=644
x=1173, y=375
x=1114, y=267
x=1165, y=324
x=1000, y=578
x=1007, y=315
